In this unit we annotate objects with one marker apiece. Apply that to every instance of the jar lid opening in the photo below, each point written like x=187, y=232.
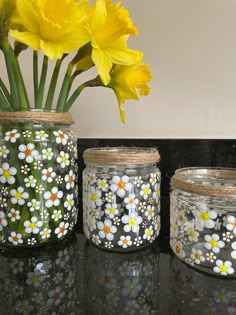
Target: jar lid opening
x=121, y=155
x=216, y=182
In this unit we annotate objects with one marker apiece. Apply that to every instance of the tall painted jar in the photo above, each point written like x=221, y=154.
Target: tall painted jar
x=38, y=170
x=121, y=197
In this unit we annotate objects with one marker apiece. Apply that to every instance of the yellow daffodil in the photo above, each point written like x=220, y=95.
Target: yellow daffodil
x=110, y=28
x=54, y=26
x=129, y=82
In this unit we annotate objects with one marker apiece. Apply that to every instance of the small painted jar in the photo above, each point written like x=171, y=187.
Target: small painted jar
x=121, y=197
x=203, y=219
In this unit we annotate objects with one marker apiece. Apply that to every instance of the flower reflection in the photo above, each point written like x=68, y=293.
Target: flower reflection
x=42, y=281
x=192, y=291
x=121, y=283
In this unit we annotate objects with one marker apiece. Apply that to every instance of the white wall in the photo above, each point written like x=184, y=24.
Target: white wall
x=191, y=48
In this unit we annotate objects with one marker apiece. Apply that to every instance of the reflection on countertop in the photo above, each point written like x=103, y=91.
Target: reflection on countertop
x=75, y=277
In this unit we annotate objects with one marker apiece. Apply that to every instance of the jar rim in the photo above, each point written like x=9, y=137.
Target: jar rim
x=121, y=155
x=208, y=181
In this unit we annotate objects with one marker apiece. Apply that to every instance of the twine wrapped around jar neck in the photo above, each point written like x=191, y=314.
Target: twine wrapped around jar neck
x=37, y=116
x=212, y=182
x=121, y=156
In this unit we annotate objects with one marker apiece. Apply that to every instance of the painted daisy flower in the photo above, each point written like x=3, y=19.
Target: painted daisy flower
x=38, y=165
x=227, y=237
x=197, y=256
x=33, y=225
x=233, y=253
x=95, y=197
x=19, y=196
x=7, y=173
x=156, y=192
x=11, y=135
x=177, y=247
x=41, y=135
x=106, y=229
x=70, y=180
x=204, y=218
x=3, y=151
x=145, y=191
x=96, y=239
x=231, y=224
x=142, y=206
x=25, y=169
x=27, y=152
x=192, y=235
x=3, y=202
x=150, y=212
x=120, y=185
x=61, y=137
x=102, y=184
x=30, y=181
x=148, y=233
x=62, y=230
x=48, y=174
x=33, y=205
x=45, y=233
x=125, y=241
x=224, y=268
x=138, y=181
x=15, y=238
x=63, y=159
x=138, y=241
x=14, y=215
x=131, y=202
x=214, y=243
x=56, y=215
x=132, y=222
x=153, y=178
x=3, y=221
x=111, y=210
x=69, y=203
x=53, y=197
x=26, y=134
x=47, y=154
x=210, y=257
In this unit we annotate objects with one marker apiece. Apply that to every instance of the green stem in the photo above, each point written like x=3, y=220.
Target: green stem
x=53, y=84
x=35, y=74
x=91, y=83
x=11, y=77
x=39, y=100
x=64, y=88
x=21, y=91
x=6, y=92
x=4, y=102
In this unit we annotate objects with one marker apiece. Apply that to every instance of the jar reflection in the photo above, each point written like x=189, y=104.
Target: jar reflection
x=192, y=291
x=40, y=282
x=121, y=283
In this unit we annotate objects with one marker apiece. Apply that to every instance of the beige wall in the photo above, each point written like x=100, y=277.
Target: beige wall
x=191, y=48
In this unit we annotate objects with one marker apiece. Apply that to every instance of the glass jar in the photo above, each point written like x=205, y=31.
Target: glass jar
x=203, y=219
x=121, y=197
x=38, y=170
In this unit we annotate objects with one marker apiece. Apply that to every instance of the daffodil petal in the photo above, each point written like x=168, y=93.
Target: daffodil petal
x=98, y=14
x=124, y=56
x=103, y=64
x=27, y=11
x=26, y=38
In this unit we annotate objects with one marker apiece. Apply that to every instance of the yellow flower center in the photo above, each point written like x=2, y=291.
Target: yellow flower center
x=146, y=191
x=204, y=216
x=132, y=222
x=112, y=210
x=18, y=195
x=223, y=268
x=103, y=183
x=213, y=243
x=94, y=197
x=6, y=174
x=32, y=225
x=64, y=159
x=148, y=232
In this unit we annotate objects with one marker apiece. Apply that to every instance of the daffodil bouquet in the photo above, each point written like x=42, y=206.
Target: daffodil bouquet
x=72, y=33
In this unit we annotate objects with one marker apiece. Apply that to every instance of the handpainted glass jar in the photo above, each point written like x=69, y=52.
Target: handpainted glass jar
x=203, y=219
x=38, y=169
x=127, y=284
x=121, y=197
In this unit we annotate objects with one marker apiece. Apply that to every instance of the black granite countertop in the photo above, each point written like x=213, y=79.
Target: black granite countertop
x=75, y=277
